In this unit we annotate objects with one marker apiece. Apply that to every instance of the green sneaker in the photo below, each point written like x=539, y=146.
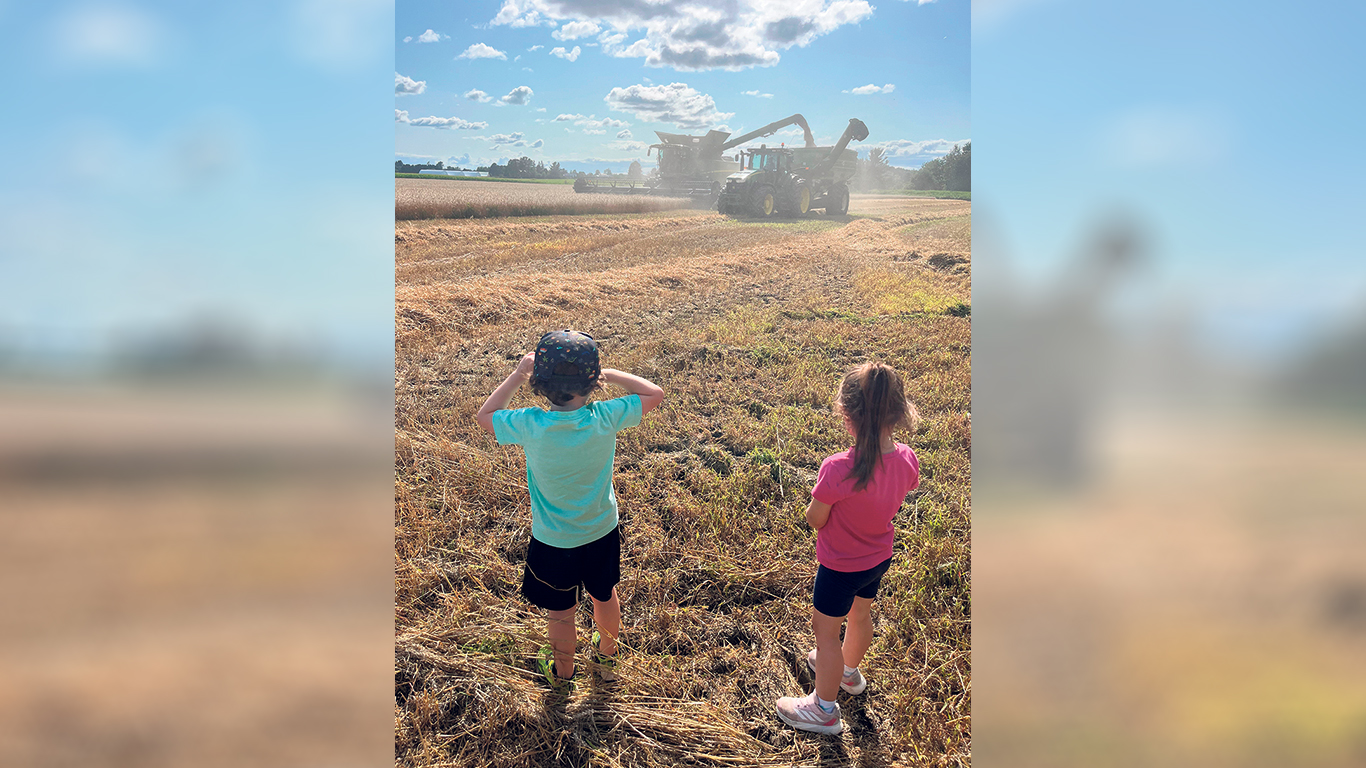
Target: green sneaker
x=605, y=665
x=545, y=664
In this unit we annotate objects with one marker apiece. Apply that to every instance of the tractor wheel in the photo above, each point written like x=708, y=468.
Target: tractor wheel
x=764, y=201
x=795, y=201
x=837, y=200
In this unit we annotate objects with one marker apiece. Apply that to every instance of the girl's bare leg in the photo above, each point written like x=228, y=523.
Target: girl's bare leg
x=859, y=635
x=829, y=659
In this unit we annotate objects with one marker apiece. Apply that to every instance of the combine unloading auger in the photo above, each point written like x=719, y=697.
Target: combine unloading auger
x=690, y=166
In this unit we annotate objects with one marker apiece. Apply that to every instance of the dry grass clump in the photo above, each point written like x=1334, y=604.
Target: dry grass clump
x=748, y=333
x=426, y=199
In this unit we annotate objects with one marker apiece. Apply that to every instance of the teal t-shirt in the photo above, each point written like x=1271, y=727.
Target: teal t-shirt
x=569, y=457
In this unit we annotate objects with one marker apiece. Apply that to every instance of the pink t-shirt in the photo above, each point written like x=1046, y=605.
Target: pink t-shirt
x=859, y=533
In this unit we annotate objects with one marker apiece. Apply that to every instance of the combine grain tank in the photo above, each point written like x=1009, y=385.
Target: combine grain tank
x=791, y=181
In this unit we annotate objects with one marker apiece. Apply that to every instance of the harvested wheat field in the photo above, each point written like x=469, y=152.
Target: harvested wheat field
x=747, y=326
x=456, y=199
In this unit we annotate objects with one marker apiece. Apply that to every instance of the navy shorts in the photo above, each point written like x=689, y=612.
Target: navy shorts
x=835, y=590
x=553, y=574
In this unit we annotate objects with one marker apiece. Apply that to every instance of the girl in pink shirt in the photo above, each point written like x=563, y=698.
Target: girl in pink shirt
x=857, y=494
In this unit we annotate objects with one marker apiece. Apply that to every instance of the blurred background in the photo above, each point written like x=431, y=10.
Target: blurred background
x=196, y=383
x=1169, y=382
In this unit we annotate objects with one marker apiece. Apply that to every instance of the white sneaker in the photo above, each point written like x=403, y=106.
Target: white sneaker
x=850, y=684
x=805, y=714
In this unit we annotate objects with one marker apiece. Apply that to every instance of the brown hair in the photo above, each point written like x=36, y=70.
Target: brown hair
x=558, y=393
x=872, y=398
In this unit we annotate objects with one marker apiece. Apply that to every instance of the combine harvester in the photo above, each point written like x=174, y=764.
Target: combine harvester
x=792, y=181
x=690, y=166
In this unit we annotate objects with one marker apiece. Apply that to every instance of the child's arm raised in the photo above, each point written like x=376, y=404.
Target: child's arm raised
x=817, y=514
x=650, y=393
x=503, y=394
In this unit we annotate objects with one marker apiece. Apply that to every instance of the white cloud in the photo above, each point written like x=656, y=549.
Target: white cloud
x=914, y=153
x=518, y=57
x=674, y=103
x=534, y=48
x=400, y=115
x=540, y=109
x=1163, y=136
x=627, y=146
x=517, y=96
x=591, y=124
x=408, y=39
x=505, y=138
x=406, y=86
x=537, y=144
x=571, y=56
x=445, y=122
x=481, y=51
x=575, y=29
x=864, y=90
x=700, y=35
x=107, y=34
x=756, y=94
x=474, y=94
x=513, y=15
x=432, y=37
x=341, y=36
x=625, y=134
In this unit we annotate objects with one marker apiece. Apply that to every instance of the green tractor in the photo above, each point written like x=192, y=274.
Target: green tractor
x=790, y=181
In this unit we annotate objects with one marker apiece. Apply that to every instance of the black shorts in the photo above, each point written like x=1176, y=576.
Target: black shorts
x=834, y=592
x=553, y=574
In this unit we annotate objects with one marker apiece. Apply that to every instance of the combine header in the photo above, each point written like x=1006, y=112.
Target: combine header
x=792, y=181
x=690, y=166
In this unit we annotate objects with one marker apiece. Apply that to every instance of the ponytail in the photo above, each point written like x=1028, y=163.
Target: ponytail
x=872, y=398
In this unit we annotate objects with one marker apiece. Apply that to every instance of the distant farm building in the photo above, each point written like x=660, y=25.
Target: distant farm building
x=434, y=172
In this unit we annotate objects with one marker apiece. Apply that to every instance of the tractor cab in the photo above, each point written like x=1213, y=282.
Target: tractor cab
x=675, y=159
x=765, y=159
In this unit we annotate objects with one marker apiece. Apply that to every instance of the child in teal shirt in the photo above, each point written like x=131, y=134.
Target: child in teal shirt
x=570, y=448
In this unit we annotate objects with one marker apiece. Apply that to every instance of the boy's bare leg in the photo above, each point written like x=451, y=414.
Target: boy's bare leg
x=859, y=634
x=829, y=664
x=607, y=617
x=562, y=640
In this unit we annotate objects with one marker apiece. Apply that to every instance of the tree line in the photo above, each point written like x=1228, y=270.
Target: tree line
x=951, y=172
x=520, y=168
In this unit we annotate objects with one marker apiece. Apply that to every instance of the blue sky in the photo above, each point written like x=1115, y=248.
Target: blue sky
x=588, y=83
x=1229, y=132
x=170, y=163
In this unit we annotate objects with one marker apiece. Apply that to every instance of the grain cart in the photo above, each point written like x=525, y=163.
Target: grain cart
x=690, y=166
x=793, y=180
